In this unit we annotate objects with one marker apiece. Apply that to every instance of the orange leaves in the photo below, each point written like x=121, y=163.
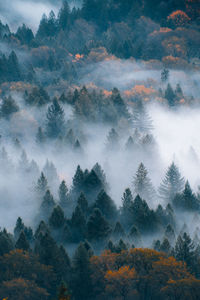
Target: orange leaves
x=140, y=90
x=178, y=18
x=124, y=273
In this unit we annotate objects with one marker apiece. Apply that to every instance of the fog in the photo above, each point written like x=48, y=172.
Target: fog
x=17, y=12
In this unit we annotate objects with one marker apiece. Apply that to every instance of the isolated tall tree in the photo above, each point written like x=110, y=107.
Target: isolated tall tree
x=55, y=122
x=172, y=184
x=142, y=184
x=170, y=95
x=141, y=119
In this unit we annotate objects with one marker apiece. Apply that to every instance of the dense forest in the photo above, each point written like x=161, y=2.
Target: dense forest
x=99, y=150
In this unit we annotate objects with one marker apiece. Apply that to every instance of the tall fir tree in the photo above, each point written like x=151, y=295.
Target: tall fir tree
x=172, y=184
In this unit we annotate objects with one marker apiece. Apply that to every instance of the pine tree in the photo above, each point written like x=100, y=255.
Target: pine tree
x=142, y=184
x=118, y=231
x=164, y=75
x=184, y=250
x=141, y=119
x=8, y=107
x=170, y=234
x=47, y=205
x=63, y=195
x=40, y=137
x=64, y=16
x=42, y=185
x=97, y=227
x=172, y=184
x=187, y=200
x=126, y=209
x=77, y=182
x=135, y=236
x=55, y=122
x=13, y=67
x=83, y=203
x=57, y=218
x=101, y=175
x=78, y=225
x=106, y=205
x=22, y=242
x=170, y=95
x=6, y=242
x=81, y=273
x=165, y=246
x=19, y=227
x=112, y=140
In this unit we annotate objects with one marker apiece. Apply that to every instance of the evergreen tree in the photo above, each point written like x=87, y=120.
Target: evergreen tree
x=186, y=200
x=81, y=273
x=170, y=95
x=64, y=16
x=101, y=175
x=63, y=195
x=57, y=218
x=47, y=205
x=6, y=242
x=83, y=203
x=55, y=123
x=42, y=185
x=24, y=34
x=112, y=140
x=97, y=227
x=118, y=231
x=77, y=182
x=22, y=242
x=14, y=68
x=165, y=246
x=126, y=209
x=170, y=234
x=143, y=217
x=141, y=119
x=78, y=225
x=119, y=104
x=19, y=227
x=142, y=184
x=135, y=236
x=184, y=250
x=8, y=107
x=172, y=184
x=40, y=136
x=164, y=75
x=106, y=205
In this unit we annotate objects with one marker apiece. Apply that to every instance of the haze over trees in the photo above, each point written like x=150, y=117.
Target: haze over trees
x=99, y=151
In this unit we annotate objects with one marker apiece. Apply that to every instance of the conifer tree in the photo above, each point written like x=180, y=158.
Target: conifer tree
x=172, y=184
x=22, y=242
x=106, y=205
x=8, y=107
x=97, y=227
x=63, y=195
x=57, y=218
x=81, y=273
x=142, y=184
x=42, y=185
x=40, y=136
x=55, y=122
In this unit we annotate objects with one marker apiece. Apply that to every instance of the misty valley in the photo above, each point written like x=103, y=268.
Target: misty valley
x=100, y=150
